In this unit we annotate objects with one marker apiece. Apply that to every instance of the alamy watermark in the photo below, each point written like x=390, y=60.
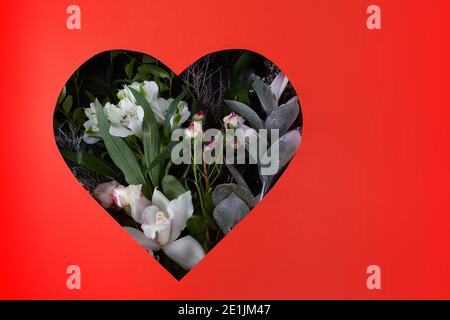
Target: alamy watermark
x=235, y=146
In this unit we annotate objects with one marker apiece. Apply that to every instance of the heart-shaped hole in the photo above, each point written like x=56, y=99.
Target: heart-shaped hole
x=178, y=160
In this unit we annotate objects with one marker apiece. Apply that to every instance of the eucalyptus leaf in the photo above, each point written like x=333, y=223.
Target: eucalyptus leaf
x=278, y=85
x=223, y=191
x=264, y=94
x=237, y=176
x=172, y=188
x=248, y=113
x=287, y=146
x=88, y=161
x=284, y=116
x=229, y=212
x=119, y=151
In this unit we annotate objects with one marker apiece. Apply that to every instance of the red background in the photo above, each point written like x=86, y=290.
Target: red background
x=369, y=184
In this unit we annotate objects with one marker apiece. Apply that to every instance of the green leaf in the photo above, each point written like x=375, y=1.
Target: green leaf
x=147, y=59
x=154, y=70
x=264, y=94
x=171, y=111
x=62, y=95
x=284, y=116
x=120, y=153
x=116, y=53
x=150, y=138
x=172, y=188
x=78, y=115
x=197, y=228
x=248, y=113
x=89, y=95
x=88, y=161
x=129, y=68
x=67, y=104
x=163, y=155
x=242, y=63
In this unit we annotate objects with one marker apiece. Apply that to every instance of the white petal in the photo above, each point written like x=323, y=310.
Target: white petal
x=90, y=140
x=151, y=90
x=138, y=205
x=158, y=231
x=148, y=216
x=142, y=239
x=187, y=252
x=119, y=131
x=180, y=210
x=159, y=200
x=160, y=107
x=136, y=127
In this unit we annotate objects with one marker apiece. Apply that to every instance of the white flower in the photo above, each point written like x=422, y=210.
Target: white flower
x=162, y=223
x=160, y=107
x=233, y=120
x=148, y=89
x=126, y=118
x=131, y=199
x=103, y=193
x=194, y=130
x=181, y=115
x=91, y=125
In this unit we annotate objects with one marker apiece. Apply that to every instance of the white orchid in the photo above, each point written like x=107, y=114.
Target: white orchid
x=162, y=223
x=91, y=125
x=126, y=118
x=233, y=120
x=131, y=199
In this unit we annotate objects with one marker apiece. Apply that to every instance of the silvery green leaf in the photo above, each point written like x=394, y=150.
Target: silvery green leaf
x=284, y=116
x=223, y=191
x=229, y=212
x=287, y=146
x=245, y=111
x=278, y=85
x=264, y=94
